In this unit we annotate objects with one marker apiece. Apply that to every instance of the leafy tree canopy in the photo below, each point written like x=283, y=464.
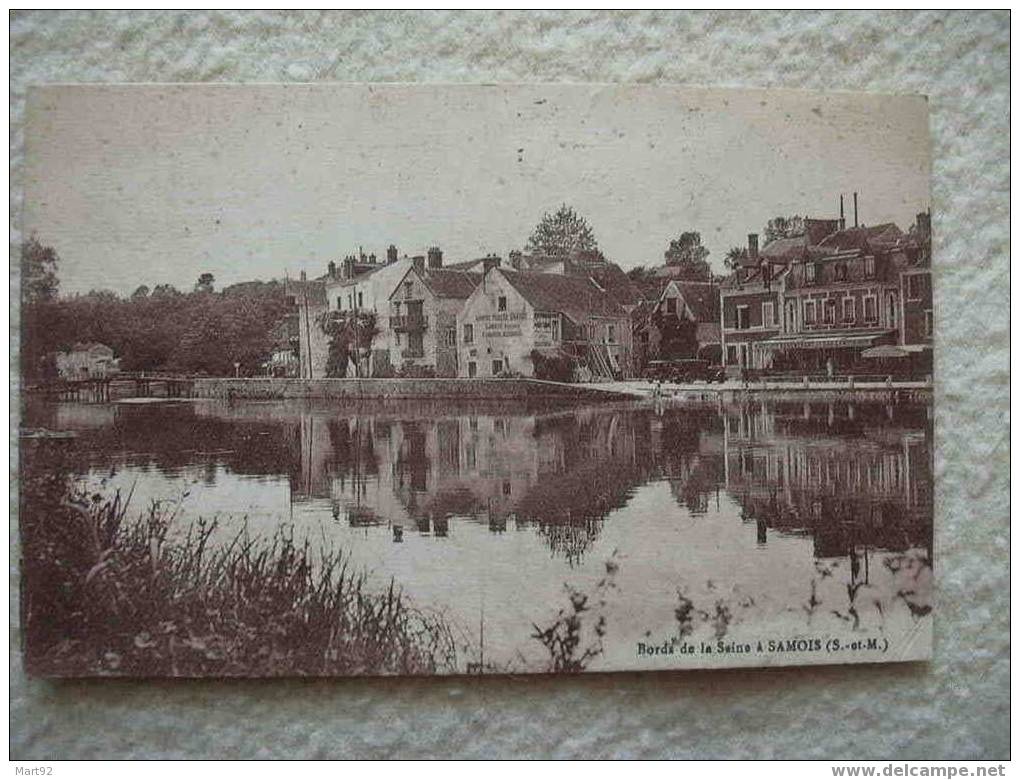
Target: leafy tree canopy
x=784, y=227
x=202, y=331
x=689, y=257
x=735, y=257
x=205, y=283
x=39, y=263
x=561, y=234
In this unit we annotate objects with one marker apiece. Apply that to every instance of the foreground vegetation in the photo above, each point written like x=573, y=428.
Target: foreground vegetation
x=105, y=595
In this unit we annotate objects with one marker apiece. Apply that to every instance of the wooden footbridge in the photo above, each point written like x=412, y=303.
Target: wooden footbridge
x=137, y=384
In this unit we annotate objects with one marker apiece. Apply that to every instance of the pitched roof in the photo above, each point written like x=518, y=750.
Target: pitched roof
x=861, y=237
x=91, y=346
x=576, y=297
x=702, y=298
x=783, y=250
x=314, y=291
x=445, y=283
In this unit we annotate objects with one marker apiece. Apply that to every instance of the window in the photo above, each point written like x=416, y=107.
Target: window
x=869, y=267
x=829, y=311
x=840, y=272
x=415, y=344
x=809, y=312
x=929, y=323
x=870, y=309
x=915, y=287
x=469, y=333
x=893, y=311
x=768, y=313
x=361, y=301
x=497, y=366
x=502, y=303
x=450, y=337
x=340, y=303
x=554, y=330
x=743, y=317
x=809, y=272
x=611, y=334
x=408, y=289
x=472, y=372
x=849, y=309
x=791, y=316
x=731, y=355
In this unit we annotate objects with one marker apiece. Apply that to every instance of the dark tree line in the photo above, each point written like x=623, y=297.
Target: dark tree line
x=163, y=329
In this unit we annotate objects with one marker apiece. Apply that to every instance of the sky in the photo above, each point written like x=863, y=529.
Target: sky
x=149, y=185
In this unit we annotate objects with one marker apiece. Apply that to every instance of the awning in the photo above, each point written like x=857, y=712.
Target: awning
x=894, y=350
x=825, y=340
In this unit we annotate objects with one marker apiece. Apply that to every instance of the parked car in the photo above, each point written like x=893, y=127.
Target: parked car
x=684, y=370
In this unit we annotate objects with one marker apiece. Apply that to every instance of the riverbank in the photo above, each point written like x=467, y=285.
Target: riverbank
x=403, y=389
x=537, y=389
x=111, y=595
x=735, y=390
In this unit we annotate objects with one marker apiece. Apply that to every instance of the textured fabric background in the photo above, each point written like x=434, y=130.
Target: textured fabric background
x=956, y=707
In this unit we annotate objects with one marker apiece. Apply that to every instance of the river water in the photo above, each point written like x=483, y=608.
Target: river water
x=706, y=522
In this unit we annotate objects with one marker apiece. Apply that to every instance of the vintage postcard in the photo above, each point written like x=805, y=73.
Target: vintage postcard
x=415, y=380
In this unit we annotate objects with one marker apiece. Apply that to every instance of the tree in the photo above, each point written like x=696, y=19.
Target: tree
x=142, y=291
x=39, y=282
x=689, y=257
x=205, y=283
x=562, y=234
x=165, y=291
x=735, y=257
x=641, y=275
x=350, y=336
x=784, y=227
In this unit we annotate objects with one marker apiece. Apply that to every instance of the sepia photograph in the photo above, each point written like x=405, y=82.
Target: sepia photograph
x=358, y=380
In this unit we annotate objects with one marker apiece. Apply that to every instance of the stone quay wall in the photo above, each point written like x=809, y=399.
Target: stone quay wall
x=393, y=389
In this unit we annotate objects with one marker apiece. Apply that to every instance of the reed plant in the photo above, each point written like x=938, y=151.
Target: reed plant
x=107, y=594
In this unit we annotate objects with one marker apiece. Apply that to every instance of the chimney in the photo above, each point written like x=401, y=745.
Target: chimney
x=855, y=209
x=489, y=262
x=435, y=257
x=372, y=259
x=752, y=248
x=348, y=268
x=304, y=277
x=391, y=254
x=516, y=259
x=842, y=218
x=924, y=224
x=418, y=261
x=332, y=269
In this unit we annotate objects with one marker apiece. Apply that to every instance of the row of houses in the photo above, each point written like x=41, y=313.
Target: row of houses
x=478, y=318
x=833, y=299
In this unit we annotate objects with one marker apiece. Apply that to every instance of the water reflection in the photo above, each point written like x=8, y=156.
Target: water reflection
x=765, y=511
x=842, y=474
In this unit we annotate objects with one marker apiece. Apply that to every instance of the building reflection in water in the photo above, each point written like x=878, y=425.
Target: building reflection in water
x=853, y=477
x=846, y=474
x=797, y=508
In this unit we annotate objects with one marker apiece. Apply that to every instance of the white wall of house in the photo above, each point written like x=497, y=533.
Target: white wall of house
x=96, y=361
x=441, y=320
x=503, y=333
